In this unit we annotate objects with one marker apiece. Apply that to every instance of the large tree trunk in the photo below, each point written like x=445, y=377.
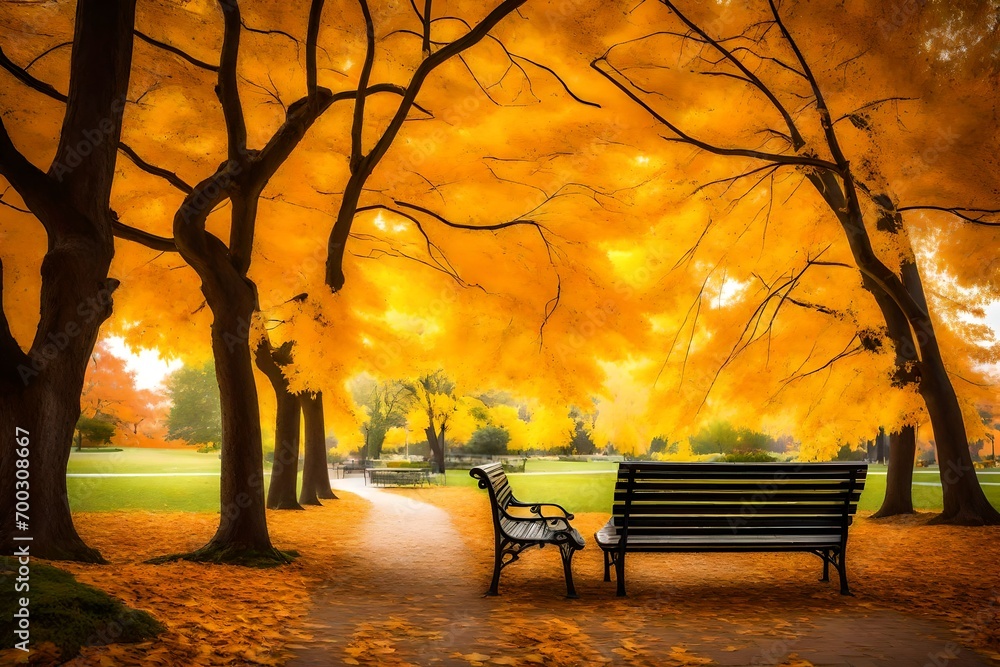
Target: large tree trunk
x=965, y=504
x=315, y=471
x=903, y=295
x=899, y=477
x=45, y=402
x=284, y=471
x=40, y=391
x=242, y=534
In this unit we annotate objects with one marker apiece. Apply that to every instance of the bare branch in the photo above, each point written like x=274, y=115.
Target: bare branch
x=312, y=39
x=161, y=243
x=169, y=176
x=11, y=206
x=682, y=137
x=27, y=79
x=358, y=123
x=978, y=216
x=227, y=88
x=46, y=52
x=797, y=140
x=176, y=51
x=427, y=21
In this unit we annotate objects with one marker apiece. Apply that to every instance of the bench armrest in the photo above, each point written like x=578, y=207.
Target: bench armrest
x=556, y=523
x=556, y=512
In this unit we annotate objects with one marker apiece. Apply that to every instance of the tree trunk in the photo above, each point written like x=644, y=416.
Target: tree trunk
x=964, y=500
x=40, y=391
x=965, y=504
x=284, y=471
x=376, y=439
x=899, y=477
x=315, y=472
x=436, y=443
x=45, y=402
x=242, y=534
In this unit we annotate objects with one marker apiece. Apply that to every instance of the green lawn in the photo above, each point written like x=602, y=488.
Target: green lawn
x=143, y=460
x=591, y=492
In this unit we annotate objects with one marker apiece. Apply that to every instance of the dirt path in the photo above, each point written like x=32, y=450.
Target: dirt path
x=412, y=596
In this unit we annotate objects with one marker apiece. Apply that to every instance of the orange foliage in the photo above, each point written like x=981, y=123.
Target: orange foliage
x=109, y=391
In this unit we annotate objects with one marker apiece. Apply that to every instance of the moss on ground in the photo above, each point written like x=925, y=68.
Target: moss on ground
x=68, y=613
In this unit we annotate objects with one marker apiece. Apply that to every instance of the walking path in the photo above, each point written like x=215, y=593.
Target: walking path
x=412, y=596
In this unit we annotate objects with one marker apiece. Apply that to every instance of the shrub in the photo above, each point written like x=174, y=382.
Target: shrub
x=748, y=456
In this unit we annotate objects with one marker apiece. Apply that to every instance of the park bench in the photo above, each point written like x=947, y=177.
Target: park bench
x=518, y=526
x=398, y=476
x=732, y=507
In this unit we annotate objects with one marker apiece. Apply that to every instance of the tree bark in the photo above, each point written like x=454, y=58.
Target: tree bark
x=242, y=534
x=40, y=390
x=284, y=471
x=436, y=443
x=899, y=477
x=315, y=471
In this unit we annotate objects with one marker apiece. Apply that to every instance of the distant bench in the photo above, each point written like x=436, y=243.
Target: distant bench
x=398, y=476
x=732, y=507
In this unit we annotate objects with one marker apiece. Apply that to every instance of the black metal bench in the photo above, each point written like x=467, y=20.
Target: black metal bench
x=398, y=476
x=732, y=507
x=518, y=526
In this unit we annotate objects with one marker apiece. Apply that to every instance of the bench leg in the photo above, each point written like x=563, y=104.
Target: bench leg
x=842, y=568
x=497, y=566
x=826, y=565
x=620, y=573
x=607, y=565
x=567, y=560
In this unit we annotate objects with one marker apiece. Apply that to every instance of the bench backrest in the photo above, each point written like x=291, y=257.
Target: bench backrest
x=656, y=498
x=492, y=477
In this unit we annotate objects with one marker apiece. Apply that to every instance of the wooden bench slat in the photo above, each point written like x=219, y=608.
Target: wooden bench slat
x=736, y=509
x=723, y=475
x=739, y=486
x=728, y=522
x=646, y=467
x=643, y=496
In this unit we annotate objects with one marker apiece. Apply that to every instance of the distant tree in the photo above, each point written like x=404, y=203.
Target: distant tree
x=582, y=442
x=721, y=437
x=196, y=413
x=385, y=404
x=95, y=431
x=110, y=394
x=433, y=405
x=490, y=440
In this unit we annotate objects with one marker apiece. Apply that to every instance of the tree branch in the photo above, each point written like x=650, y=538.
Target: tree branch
x=358, y=122
x=176, y=51
x=161, y=243
x=978, y=216
x=169, y=176
x=312, y=39
x=27, y=79
x=682, y=137
x=227, y=88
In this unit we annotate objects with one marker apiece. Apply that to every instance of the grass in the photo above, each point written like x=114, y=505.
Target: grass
x=143, y=460
x=578, y=493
